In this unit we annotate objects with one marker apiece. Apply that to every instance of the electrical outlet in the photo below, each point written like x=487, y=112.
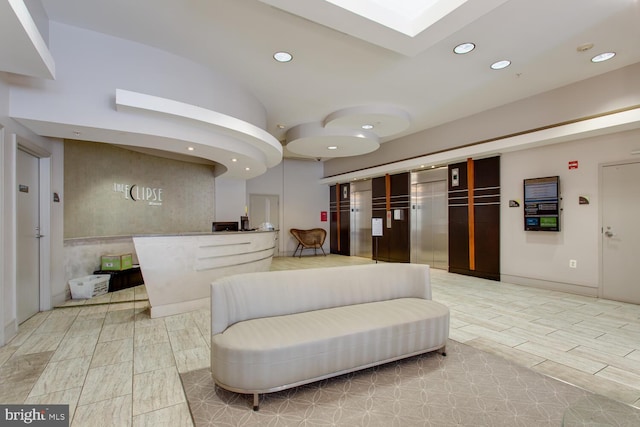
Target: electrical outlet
x=573, y=263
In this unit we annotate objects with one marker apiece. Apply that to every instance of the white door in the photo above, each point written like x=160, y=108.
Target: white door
x=620, y=232
x=263, y=208
x=28, y=232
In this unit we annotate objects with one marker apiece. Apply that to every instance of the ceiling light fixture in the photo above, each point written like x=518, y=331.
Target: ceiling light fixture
x=584, y=47
x=367, y=127
x=190, y=148
x=282, y=56
x=234, y=160
x=463, y=48
x=247, y=169
x=332, y=147
x=603, y=57
x=500, y=64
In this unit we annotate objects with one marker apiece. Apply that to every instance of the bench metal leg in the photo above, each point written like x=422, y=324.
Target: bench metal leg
x=256, y=399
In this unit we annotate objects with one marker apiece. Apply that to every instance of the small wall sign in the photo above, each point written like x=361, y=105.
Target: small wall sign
x=573, y=164
x=23, y=188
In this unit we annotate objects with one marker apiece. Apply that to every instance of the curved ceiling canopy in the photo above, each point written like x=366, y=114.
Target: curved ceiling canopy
x=314, y=140
x=382, y=120
x=348, y=132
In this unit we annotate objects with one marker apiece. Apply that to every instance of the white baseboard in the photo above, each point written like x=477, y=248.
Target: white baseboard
x=570, y=288
x=10, y=331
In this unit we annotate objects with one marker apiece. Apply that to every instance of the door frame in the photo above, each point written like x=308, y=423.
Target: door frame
x=44, y=177
x=601, y=167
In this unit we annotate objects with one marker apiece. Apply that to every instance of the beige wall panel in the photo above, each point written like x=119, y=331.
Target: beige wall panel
x=169, y=196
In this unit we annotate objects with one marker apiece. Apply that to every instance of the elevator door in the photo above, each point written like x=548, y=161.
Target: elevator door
x=430, y=242
x=361, y=224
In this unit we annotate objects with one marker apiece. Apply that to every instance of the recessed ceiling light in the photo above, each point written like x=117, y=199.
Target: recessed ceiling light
x=463, y=48
x=190, y=148
x=234, y=160
x=247, y=169
x=367, y=127
x=603, y=57
x=500, y=64
x=282, y=56
x=332, y=147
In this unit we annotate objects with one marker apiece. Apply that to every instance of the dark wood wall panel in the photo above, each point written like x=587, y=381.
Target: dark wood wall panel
x=458, y=239
x=395, y=243
x=474, y=240
x=340, y=231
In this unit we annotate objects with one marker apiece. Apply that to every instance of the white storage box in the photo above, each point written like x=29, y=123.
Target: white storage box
x=89, y=286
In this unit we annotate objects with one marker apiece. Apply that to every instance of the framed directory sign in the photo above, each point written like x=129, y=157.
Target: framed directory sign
x=542, y=204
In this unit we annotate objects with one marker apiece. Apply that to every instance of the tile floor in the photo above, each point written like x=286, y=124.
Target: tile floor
x=114, y=365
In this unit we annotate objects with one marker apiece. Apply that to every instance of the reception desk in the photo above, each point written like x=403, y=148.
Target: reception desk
x=178, y=269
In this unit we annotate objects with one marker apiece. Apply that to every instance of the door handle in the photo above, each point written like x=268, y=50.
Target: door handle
x=608, y=233
x=39, y=236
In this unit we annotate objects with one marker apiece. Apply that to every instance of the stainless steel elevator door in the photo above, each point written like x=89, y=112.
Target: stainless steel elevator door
x=430, y=242
x=361, y=224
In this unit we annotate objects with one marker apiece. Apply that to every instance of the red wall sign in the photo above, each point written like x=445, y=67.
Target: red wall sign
x=573, y=164
x=323, y=216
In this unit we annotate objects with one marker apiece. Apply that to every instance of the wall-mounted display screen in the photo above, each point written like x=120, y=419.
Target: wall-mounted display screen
x=542, y=204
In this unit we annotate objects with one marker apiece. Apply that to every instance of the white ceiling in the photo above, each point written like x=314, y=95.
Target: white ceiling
x=343, y=62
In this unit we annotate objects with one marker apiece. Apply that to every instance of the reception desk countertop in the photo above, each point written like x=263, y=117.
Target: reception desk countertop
x=178, y=268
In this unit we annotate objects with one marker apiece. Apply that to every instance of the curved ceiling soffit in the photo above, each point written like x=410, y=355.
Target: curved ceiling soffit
x=250, y=138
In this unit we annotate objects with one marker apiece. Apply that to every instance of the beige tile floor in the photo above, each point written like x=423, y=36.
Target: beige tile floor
x=115, y=366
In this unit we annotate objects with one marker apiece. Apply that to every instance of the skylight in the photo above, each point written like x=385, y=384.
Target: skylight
x=409, y=17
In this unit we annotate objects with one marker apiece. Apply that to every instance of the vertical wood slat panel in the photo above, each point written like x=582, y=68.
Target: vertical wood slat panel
x=338, y=218
x=472, y=216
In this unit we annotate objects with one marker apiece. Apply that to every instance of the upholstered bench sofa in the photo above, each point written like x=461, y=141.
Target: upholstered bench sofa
x=280, y=329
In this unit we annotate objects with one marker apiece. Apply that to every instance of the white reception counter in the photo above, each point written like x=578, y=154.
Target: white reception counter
x=178, y=269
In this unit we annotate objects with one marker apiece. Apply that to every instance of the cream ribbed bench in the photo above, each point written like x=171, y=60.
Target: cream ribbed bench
x=274, y=330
